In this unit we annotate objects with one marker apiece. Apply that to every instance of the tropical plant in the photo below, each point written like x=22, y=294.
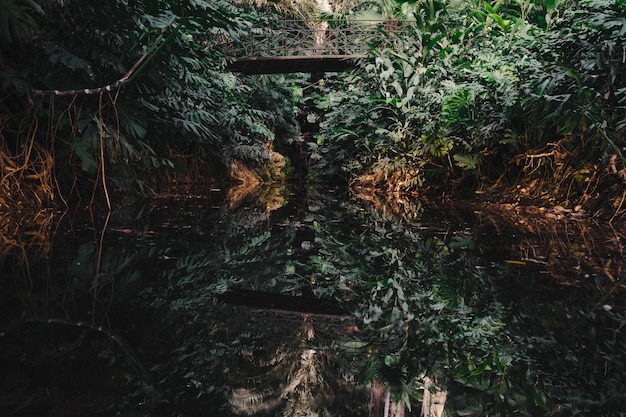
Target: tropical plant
x=473, y=82
x=580, y=91
x=137, y=93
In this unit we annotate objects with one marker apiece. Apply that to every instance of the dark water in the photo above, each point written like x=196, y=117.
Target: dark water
x=314, y=304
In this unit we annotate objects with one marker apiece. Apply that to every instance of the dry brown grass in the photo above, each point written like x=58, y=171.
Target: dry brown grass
x=26, y=194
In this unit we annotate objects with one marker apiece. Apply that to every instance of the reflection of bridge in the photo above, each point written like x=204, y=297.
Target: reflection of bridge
x=311, y=45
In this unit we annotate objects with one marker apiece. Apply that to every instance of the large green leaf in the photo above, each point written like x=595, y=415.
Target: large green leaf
x=16, y=20
x=82, y=150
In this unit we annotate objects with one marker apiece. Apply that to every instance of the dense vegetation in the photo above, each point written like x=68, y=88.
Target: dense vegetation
x=476, y=94
x=485, y=94
x=519, y=101
x=159, y=102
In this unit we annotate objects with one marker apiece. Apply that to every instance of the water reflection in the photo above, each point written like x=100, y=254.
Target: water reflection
x=353, y=308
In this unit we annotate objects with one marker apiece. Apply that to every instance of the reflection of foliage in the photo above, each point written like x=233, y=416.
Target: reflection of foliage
x=25, y=181
x=23, y=234
x=297, y=380
x=421, y=303
x=434, y=312
x=45, y=364
x=571, y=250
x=429, y=313
x=576, y=353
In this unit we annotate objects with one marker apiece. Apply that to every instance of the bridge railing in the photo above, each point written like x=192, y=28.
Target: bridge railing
x=319, y=37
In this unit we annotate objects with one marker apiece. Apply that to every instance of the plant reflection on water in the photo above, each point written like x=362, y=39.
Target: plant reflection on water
x=441, y=315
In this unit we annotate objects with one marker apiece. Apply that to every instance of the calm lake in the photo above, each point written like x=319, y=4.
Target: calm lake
x=310, y=303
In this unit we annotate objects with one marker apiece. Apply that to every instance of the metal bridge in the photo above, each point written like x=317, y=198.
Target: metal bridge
x=311, y=45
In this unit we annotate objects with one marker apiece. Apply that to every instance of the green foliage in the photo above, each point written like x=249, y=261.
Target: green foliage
x=168, y=91
x=578, y=92
x=424, y=98
x=469, y=77
x=17, y=21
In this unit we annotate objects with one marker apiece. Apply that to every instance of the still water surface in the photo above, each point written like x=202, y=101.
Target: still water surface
x=313, y=304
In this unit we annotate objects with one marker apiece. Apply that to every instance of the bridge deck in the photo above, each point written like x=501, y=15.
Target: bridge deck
x=311, y=46
x=290, y=64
